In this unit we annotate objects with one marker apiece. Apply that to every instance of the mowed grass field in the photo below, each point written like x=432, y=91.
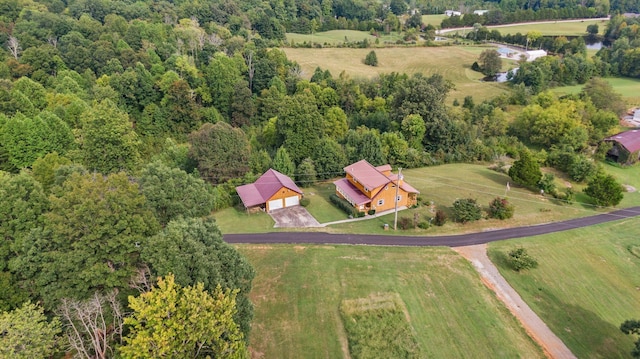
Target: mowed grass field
x=587, y=283
x=298, y=291
x=629, y=89
x=332, y=37
x=452, y=62
x=443, y=185
x=566, y=28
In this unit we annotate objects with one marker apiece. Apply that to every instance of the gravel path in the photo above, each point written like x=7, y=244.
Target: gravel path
x=552, y=345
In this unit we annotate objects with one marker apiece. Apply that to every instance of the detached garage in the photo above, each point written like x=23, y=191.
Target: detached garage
x=271, y=191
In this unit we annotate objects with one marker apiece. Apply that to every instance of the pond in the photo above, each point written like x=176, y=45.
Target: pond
x=502, y=76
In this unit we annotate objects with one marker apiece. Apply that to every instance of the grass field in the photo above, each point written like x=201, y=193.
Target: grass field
x=576, y=28
x=434, y=20
x=587, y=283
x=299, y=289
x=332, y=37
x=452, y=62
x=629, y=89
x=443, y=185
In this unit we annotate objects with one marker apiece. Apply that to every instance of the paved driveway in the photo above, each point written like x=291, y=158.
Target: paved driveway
x=293, y=217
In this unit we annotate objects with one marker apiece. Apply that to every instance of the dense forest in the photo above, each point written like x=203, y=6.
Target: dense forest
x=123, y=124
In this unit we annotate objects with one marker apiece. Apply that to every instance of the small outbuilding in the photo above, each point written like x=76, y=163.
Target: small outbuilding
x=535, y=54
x=273, y=190
x=625, y=147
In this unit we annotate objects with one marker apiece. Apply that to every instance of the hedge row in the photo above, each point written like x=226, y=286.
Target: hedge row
x=345, y=206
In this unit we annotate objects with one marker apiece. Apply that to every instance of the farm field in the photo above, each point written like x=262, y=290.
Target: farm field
x=443, y=185
x=433, y=19
x=298, y=292
x=452, y=62
x=333, y=37
x=573, y=28
x=585, y=286
x=627, y=87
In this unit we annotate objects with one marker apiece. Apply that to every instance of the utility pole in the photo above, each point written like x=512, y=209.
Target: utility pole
x=395, y=221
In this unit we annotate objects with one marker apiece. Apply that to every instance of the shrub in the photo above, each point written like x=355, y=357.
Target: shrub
x=466, y=210
x=343, y=205
x=371, y=59
x=405, y=223
x=547, y=184
x=305, y=202
x=372, y=212
x=500, y=208
x=424, y=225
x=519, y=259
x=441, y=218
x=526, y=170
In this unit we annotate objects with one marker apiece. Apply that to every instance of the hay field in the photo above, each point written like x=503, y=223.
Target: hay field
x=452, y=62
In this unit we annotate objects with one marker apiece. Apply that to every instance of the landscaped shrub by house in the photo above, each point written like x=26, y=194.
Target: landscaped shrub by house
x=519, y=259
x=466, y=210
x=372, y=212
x=440, y=219
x=405, y=223
x=305, y=202
x=500, y=208
x=344, y=205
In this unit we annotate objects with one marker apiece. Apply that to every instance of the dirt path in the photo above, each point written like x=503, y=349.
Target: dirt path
x=552, y=345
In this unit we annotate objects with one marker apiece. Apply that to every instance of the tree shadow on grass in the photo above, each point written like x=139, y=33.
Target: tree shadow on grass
x=583, y=331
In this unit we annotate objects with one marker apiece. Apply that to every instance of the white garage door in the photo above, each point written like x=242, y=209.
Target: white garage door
x=291, y=201
x=275, y=204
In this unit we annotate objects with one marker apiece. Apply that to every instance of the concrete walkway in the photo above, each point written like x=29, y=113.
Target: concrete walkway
x=378, y=214
x=552, y=345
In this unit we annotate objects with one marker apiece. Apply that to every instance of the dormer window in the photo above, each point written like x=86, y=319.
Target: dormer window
x=366, y=189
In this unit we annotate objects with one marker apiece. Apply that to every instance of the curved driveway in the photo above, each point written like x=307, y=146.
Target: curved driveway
x=449, y=241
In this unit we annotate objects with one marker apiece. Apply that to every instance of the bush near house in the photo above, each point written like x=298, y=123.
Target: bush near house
x=466, y=210
x=345, y=206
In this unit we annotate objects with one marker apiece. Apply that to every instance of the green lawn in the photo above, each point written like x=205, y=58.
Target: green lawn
x=629, y=89
x=587, y=283
x=299, y=289
x=452, y=62
x=320, y=206
x=434, y=19
x=332, y=37
x=577, y=28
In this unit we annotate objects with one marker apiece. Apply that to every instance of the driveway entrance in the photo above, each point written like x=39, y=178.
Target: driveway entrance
x=293, y=217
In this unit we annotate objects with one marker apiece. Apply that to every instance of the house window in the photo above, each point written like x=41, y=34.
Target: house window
x=366, y=189
x=399, y=198
x=380, y=202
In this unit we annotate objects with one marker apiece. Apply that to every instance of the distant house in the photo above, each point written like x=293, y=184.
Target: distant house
x=626, y=147
x=452, y=13
x=367, y=187
x=480, y=12
x=535, y=54
x=271, y=191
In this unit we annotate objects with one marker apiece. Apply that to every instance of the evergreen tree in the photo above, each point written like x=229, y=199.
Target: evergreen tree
x=525, y=171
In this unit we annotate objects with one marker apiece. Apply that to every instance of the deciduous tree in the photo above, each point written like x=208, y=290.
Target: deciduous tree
x=183, y=322
x=109, y=143
x=490, y=62
x=221, y=151
x=193, y=250
x=604, y=189
x=173, y=193
x=27, y=334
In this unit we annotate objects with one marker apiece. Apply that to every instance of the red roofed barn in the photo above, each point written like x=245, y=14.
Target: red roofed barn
x=626, y=147
x=271, y=191
x=367, y=187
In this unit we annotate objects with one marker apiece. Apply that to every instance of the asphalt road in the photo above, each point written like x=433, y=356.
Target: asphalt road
x=449, y=241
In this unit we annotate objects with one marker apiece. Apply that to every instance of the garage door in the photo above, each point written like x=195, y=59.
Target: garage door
x=275, y=204
x=291, y=201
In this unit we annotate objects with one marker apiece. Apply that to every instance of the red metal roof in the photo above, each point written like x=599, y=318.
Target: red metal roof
x=350, y=191
x=629, y=139
x=366, y=174
x=264, y=188
x=404, y=185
